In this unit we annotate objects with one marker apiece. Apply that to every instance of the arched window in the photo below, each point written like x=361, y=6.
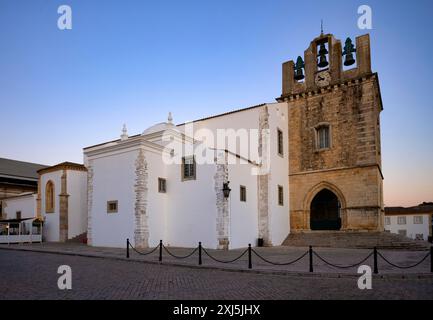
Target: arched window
x=49, y=197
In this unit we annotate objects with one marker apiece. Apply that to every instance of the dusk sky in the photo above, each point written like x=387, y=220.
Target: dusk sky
x=134, y=61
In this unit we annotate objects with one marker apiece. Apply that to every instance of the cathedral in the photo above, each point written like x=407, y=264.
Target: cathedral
x=311, y=161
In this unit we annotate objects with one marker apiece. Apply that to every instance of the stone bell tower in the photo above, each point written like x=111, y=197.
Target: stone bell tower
x=334, y=104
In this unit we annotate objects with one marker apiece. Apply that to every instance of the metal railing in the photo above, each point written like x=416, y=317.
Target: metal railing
x=250, y=251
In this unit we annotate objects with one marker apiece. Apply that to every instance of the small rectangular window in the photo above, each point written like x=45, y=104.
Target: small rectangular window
x=112, y=206
x=322, y=136
x=162, y=185
x=280, y=196
x=417, y=220
x=243, y=193
x=280, y=142
x=401, y=220
x=188, y=168
x=387, y=221
x=18, y=215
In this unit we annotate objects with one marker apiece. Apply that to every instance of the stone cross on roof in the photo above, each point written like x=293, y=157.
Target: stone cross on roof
x=124, y=135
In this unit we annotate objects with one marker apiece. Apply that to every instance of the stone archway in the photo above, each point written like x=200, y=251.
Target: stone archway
x=311, y=195
x=325, y=211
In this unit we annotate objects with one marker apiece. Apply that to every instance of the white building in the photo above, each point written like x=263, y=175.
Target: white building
x=167, y=183
x=222, y=181
x=19, y=207
x=413, y=222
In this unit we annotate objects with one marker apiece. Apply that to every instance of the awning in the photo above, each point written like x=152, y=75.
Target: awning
x=14, y=223
x=16, y=220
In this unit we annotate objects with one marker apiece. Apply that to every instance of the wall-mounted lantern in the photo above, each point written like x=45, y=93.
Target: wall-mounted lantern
x=226, y=189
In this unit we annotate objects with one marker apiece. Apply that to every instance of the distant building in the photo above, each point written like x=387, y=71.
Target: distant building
x=413, y=222
x=16, y=178
x=18, y=207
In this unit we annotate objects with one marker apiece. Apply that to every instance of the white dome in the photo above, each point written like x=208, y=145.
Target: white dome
x=159, y=127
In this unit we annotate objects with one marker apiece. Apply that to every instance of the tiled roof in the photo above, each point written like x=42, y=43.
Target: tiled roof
x=181, y=124
x=19, y=169
x=63, y=166
x=420, y=209
x=226, y=113
x=111, y=141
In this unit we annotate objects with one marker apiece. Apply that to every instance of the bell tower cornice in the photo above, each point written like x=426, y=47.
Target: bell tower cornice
x=334, y=87
x=322, y=65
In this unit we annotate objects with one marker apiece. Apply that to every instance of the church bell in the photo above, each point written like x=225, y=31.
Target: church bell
x=349, y=49
x=299, y=74
x=322, y=56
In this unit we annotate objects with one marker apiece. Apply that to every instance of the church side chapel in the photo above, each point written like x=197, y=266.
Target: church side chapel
x=314, y=166
x=61, y=201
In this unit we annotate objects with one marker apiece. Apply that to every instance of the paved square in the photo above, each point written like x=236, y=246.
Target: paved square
x=32, y=275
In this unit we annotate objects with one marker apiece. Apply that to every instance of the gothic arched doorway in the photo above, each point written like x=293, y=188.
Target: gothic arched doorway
x=325, y=211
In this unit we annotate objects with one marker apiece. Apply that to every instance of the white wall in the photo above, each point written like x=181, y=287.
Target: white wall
x=247, y=119
x=182, y=217
x=51, y=220
x=243, y=215
x=77, y=202
x=279, y=215
x=411, y=228
x=113, y=179
x=279, y=175
x=191, y=209
x=156, y=202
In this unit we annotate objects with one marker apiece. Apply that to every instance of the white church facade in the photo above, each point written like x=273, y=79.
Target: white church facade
x=150, y=187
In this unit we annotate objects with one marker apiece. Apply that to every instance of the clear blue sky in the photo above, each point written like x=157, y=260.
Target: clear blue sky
x=133, y=61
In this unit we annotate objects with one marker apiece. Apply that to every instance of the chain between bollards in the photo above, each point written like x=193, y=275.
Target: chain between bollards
x=250, y=264
x=199, y=254
x=311, y=258
x=376, y=269
x=249, y=250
